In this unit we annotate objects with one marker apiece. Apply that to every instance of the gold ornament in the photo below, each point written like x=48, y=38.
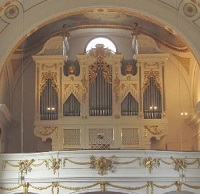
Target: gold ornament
x=102, y=164
x=55, y=164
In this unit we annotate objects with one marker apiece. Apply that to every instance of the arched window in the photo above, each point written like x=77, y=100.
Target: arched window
x=101, y=40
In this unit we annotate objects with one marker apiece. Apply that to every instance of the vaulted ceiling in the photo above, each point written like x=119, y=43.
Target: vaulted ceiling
x=104, y=21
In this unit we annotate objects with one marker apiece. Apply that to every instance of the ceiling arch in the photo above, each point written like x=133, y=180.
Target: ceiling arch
x=158, y=19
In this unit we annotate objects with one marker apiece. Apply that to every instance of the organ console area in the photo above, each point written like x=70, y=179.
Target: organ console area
x=100, y=100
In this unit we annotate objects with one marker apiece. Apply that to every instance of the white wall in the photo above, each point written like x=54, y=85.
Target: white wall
x=177, y=100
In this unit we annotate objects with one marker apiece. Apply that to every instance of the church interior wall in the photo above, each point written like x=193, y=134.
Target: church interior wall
x=177, y=100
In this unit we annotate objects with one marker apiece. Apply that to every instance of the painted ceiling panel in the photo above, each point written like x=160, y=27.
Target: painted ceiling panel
x=104, y=18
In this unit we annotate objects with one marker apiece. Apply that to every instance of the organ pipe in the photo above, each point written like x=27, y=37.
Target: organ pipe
x=49, y=102
x=152, y=103
x=100, y=95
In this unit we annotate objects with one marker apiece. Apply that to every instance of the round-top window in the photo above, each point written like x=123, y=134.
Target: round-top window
x=101, y=40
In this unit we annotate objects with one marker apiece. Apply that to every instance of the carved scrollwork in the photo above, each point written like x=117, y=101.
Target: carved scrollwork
x=106, y=70
x=48, y=130
x=100, y=52
x=154, y=129
x=45, y=77
x=155, y=76
x=84, y=88
x=73, y=89
x=117, y=88
x=127, y=87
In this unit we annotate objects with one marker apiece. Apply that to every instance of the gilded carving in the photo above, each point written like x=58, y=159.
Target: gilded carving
x=178, y=185
x=117, y=88
x=150, y=163
x=79, y=90
x=127, y=87
x=55, y=185
x=45, y=77
x=84, y=88
x=100, y=53
x=102, y=164
x=66, y=86
x=151, y=65
x=145, y=132
x=55, y=164
x=129, y=67
x=154, y=129
x=100, y=65
x=155, y=76
x=25, y=188
x=45, y=67
x=74, y=162
x=23, y=165
x=48, y=130
x=102, y=186
x=72, y=70
x=180, y=164
x=117, y=116
x=84, y=117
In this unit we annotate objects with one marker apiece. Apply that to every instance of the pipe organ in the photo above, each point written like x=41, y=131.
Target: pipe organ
x=100, y=100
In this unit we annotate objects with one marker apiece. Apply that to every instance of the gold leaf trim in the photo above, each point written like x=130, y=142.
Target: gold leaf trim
x=56, y=185
x=45, y=77
x=127, y=188
x=74, y=162
x=128, y=162
x=10, y=188
x=24, y=165
x=78, y=188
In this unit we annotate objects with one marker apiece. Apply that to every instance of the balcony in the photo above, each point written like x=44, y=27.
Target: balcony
x=124, y=171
